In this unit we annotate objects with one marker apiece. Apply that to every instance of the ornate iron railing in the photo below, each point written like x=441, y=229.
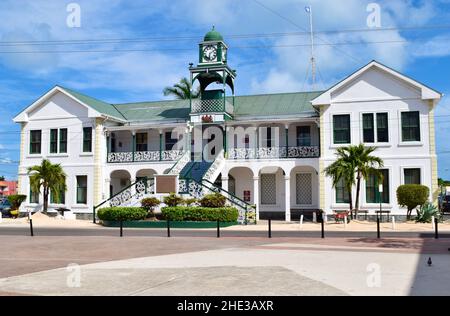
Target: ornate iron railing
x=181, y=163
x=274, y=152
x=211, y=106
x=129, y=196
x=120, y=157
x=145, y=156
x=212, y=170
x=247, y=212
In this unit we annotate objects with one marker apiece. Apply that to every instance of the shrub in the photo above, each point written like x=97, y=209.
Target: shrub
x=202, y=214
x=411, y=196
x=213, y=200
x=173, y=200
x=190, y=202
x=122, y=213
x=16, y=200
x=426, y=212
x=149, y=204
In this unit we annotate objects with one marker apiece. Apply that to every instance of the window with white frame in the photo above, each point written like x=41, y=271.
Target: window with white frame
x=341, y=129
x=410, y=126
x=375, y=128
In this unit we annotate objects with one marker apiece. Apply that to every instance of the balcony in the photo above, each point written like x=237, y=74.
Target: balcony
x=274, y=153
x=211, y=106
x=145, y=156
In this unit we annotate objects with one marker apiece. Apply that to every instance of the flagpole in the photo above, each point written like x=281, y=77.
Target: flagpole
x=313, y=60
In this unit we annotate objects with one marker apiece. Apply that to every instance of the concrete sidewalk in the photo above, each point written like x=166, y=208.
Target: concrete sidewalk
x=263, y=269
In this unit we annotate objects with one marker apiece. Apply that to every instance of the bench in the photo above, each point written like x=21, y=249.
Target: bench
x=380, y=213
x=339, y=216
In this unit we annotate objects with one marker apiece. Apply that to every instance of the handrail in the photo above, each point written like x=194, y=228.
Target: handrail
x=246, y=205
x=187, y=152
x=203, y=185
x=188, y=172
x=223, y=190
x=212, y=168
x=145, y=180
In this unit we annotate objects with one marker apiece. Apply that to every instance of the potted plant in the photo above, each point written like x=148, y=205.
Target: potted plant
x=16, y=200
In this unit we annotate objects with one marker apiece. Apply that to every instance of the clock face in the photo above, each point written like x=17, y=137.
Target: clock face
x=209, y=53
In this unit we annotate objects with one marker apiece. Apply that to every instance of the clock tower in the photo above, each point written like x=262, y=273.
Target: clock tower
x=213, y=49
x=213, y=105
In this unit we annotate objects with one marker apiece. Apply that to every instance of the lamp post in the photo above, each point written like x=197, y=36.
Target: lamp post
x=380, y=192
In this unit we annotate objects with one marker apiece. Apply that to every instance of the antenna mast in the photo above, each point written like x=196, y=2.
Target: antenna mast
x=313, y=60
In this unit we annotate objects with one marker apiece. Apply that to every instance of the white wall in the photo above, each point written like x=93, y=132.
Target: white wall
x=60, y=111
x=372, y=92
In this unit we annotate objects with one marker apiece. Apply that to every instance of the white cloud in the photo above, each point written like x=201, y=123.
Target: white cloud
x=6, y=161
x=144, y=74
x=2, y=147
x=434, y=47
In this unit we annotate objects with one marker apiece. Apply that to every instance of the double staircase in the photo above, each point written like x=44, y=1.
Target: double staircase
x=196, y=178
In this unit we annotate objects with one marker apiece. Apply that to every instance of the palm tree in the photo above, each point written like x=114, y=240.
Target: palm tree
x=366, y=164
x=351, y=161
x=50, y=177
x=342, y=169
x=182, y=90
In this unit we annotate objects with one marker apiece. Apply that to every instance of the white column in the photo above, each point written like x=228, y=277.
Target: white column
x=106, y=189
x=225, y=183
x=256, y=195
x=287, y=193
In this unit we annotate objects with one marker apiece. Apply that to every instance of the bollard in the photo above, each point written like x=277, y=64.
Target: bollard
x=432, y=223
x=168, y=228
x=121, y=228
x=322, y=224
x=378, y=228
x=314, y=217
x=31, y=224
x=270, y=228
x=301, y=221
x=345, y=221
x=1, y=217
x=436, y=230
x=218, y=229
x=393, y=222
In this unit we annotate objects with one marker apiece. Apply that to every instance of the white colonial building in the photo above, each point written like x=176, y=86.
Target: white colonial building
x=264, y=152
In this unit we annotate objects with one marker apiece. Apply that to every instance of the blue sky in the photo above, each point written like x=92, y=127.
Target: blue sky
x=265, y=64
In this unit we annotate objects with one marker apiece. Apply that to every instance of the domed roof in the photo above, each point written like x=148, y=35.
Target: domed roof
x=213, y=35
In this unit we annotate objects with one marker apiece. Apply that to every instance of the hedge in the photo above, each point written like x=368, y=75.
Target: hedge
x=411, y=196
x=202, y=214
x=214, y=200
x=122, y=213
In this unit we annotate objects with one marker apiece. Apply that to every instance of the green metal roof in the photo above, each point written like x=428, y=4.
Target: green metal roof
x=264, y=105
x=99, y=106
x=155, y=111
x=297, y=103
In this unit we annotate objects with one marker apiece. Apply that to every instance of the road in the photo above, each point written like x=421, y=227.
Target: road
x=142, y=232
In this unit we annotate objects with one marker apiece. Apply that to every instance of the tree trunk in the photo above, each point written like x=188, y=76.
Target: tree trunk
x=351, y=200
x=45, y=200
x=358, y=184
